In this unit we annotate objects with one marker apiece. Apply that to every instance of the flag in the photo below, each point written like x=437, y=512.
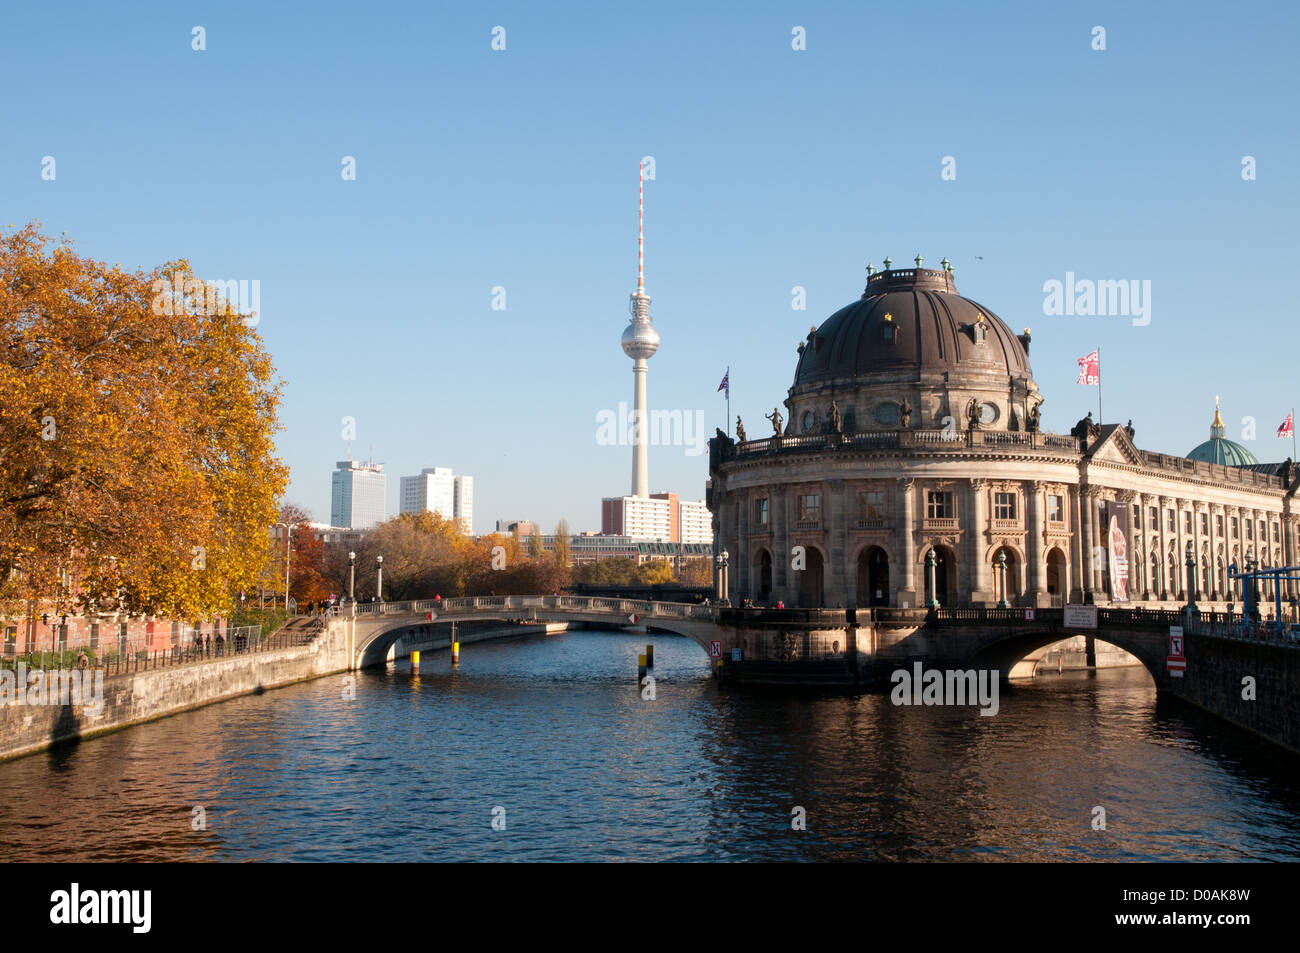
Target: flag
x=1090, y=369
x=726, y=383
x=1288, y=426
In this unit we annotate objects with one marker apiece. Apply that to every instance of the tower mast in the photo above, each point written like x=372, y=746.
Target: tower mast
x=640, y=342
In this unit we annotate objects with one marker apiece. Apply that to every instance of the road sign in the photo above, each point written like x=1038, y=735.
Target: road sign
x=1080, y=617
x=1029, y=615
x=735, y=655
x=632, y=618
x=1176, y=641
x=432, y=616
x=715, y=648
x=1177, y=665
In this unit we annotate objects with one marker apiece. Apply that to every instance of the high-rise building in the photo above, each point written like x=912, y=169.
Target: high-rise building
x=659, y=516
x=437, y=490
x=358, y=495
x=462, y=506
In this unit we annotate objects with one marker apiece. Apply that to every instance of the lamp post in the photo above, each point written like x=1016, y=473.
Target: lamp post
x=723, y=588
x=930, y=563
x=288, y=534
x=352, y=577
x=1252, y=565
x=1191, y=608
x=379, y=586
x=1002, y=578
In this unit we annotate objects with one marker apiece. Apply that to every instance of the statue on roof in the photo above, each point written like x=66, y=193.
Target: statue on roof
x=775, y=417
x=740, y=430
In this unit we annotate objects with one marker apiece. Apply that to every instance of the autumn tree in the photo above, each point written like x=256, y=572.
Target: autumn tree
x=137, y=416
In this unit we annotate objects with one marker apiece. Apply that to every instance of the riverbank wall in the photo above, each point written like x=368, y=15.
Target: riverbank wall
x=138, y=697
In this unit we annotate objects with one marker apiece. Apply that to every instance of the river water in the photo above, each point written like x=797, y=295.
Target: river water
x=550, y=737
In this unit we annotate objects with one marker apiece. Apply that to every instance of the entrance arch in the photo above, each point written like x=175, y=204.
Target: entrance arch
x=873, y=577
x=1012, y=593
x=1057, y=578
x=812, y=579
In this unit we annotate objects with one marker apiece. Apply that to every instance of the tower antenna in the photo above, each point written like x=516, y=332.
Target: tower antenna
x=640, y=227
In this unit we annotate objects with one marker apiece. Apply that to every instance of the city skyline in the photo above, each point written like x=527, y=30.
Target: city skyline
x=378, y=292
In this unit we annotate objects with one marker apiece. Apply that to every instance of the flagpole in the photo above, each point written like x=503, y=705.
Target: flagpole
x=1100, y=419
x=1293, y=456
x=728, y=400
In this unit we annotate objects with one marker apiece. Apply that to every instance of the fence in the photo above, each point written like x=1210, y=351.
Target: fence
x=242, y=640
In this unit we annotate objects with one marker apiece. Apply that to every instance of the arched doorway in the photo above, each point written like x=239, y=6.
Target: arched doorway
x=944, y=589
x=873, y=577
x=1056, y=576
x=764, y=575
x=812, y=579
x=1012, y=585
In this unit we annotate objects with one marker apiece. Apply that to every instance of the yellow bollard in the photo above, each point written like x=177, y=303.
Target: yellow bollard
x=415, y=663
x=455, y=653
x=640, y=668
x=649, y=656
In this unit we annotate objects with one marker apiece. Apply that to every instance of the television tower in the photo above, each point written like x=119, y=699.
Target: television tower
x=640, y=342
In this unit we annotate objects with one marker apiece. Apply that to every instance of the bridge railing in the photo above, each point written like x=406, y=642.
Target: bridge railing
x=1220, y=626
x=467, y=604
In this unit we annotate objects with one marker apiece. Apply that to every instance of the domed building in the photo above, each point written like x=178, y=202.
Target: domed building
x=909, y=468
x=1219, y=449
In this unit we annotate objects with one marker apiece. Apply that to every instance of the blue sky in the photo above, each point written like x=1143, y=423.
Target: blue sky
x=774, y=168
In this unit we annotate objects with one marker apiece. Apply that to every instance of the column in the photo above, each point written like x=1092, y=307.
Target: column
x=1077, y=576
x=979, y=573
x=1162, y=520
x=1088, y=507
x=780, y=543
x=1137, y=558
x=1036, y=590
x=740, y=557
x=907, y=533
x=835, y=538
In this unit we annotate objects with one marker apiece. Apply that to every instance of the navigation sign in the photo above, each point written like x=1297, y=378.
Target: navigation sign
x=632, y=618
x=1177, y=661
x=715, y=648
x=1080, y=617
x=1029, y=615
x=432, y=616
x=735, y=655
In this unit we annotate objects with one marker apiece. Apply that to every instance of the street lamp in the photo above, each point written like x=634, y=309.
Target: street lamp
x=379, y=586
x=1191, y=608
x=930, y=563
x=1002, y=576
x=288, y=534
x=723, y=588
x=352, y=577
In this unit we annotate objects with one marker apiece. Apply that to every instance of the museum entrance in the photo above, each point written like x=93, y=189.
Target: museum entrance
x=764, y=575
x=812, y=579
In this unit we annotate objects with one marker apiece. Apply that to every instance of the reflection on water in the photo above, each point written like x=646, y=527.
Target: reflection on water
x=554, y=730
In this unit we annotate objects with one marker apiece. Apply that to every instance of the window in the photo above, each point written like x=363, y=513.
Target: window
x=871, y=505
x=1250, y=530
x=1170, y=524
x=1218, y=524
x=1004, y=506
x=1234, y=526
x=1263, y=532
x=1187, y=522
x=1205, y=524
x=1154, y=518
x=760, y=514
x=938, y=505
x=810, y=506
x=1276, y=532
x=1056, y=509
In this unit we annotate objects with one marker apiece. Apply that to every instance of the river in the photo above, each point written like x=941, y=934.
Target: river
x=550, y=738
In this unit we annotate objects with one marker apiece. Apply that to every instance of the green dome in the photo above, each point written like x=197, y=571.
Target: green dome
x=1219, y=449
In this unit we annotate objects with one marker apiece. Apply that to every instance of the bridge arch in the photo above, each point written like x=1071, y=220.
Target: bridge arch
x=1015, y=652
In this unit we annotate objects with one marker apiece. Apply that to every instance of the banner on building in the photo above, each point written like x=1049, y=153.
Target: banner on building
x=1116, y=523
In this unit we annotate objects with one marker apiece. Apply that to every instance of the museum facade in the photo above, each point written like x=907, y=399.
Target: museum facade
x=909, y=469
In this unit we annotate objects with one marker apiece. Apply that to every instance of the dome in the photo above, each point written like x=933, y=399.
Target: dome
x=1219, y=449
x=911, y=320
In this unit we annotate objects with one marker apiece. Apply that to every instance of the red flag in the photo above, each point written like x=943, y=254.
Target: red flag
x=1090, y=369
x=1288, y=426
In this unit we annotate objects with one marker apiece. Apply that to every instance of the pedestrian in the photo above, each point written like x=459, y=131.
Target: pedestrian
x=221, y=643
x=208, y=648
x=82, y=660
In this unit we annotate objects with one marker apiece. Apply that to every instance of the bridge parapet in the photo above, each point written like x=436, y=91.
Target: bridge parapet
x=467, y=604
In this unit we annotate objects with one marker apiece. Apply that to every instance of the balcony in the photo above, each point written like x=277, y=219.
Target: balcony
x=872, y=524
x=808, y=524
x=1007, y=526
x=941, y=523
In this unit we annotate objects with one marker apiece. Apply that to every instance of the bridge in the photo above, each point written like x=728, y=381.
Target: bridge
x=380, y=624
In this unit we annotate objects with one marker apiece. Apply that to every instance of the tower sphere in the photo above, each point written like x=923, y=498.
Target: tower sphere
x=640, y=340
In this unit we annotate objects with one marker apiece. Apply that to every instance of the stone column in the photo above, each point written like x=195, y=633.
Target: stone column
x=1137, y=558
x=1036, y=590
x=907, y=533
x=1075, y=592
x=1087, y=503
x=979, y=573
x=835, y=536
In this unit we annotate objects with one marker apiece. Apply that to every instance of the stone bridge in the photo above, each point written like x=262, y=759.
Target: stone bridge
x=380, y=624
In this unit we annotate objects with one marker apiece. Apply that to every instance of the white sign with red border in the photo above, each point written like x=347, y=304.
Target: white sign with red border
x=715, y=648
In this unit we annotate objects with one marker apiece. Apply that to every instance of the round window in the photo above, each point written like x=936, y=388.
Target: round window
x=809, y=418
x=887, y=413
x=988, y=413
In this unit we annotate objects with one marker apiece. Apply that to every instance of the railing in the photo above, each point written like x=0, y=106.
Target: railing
x=894, y=439
x=1219, y=626
x=473, y=604
x=242, y=640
